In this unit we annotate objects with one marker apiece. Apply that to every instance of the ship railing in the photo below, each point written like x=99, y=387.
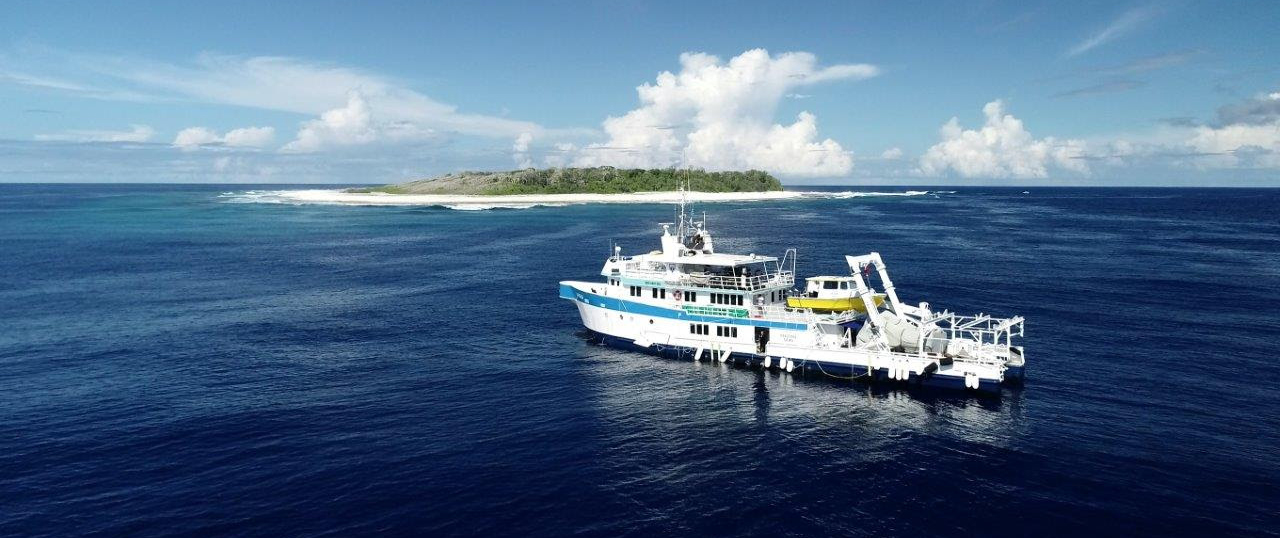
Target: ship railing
x=982, y=328
x=771, y=312
x=784, y=312
x=704, y=280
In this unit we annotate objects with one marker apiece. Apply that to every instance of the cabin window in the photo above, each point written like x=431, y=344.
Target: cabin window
x=829, y=285
x=691, y=296
x=635, y=291
x=699, y=328
x=733, y=332
x=662, y=293
x=719, y=330
x=844, y=285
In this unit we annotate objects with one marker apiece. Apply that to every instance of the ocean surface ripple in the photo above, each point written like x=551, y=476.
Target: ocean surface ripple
x=174, y=364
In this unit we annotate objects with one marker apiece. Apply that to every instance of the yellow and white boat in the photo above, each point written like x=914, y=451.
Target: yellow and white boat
x=831, y=294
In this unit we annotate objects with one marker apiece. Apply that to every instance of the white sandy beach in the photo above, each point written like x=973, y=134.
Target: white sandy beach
x=330, y=196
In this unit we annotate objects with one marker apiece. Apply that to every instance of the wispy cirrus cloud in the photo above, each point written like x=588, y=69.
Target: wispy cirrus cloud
x=1153, y=62
x=136, y=133
x=393, y=111
x=1124, y=24
x=1116, y=78
x=1112, y=86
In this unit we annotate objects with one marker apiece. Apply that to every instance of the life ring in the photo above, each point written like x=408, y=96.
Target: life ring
x=677, y=295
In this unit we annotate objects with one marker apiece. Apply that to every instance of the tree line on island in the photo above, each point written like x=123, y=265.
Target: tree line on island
x=597, y=180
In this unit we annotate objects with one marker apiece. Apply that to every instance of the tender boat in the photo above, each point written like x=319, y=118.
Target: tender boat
x=687, y=300
x=831, y=294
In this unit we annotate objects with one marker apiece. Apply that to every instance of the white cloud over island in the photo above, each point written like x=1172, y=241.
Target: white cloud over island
x=720, y=115
x=1001, y=148
x=246, y=137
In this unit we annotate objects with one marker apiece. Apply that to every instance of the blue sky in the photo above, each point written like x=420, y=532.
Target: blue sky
x=1101, y=93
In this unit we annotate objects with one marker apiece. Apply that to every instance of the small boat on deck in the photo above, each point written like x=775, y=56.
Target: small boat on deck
x=831, y=294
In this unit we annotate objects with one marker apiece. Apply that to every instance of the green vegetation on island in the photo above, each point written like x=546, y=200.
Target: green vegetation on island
x=598, y=180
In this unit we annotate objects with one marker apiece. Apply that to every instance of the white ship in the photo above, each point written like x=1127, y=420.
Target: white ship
x=689, y=301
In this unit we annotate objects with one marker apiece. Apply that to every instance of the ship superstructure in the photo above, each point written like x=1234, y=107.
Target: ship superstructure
x=688, y=300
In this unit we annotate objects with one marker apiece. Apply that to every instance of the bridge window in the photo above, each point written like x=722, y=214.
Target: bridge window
x=830, y=285
x=725, y=298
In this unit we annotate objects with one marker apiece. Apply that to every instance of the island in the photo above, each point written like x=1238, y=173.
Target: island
x=597, y=180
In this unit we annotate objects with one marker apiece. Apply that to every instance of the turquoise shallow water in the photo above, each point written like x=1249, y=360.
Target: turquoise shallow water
x=178, y=363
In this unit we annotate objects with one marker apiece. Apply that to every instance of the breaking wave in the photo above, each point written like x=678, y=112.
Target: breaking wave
x=526, y=201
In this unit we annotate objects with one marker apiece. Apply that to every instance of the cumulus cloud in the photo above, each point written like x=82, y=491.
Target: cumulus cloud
x=891, y=154
x=136, y=133
x=720, y=115
x=560, y=155
x=348, y=125
x=1247, y=134
x=247, y=137
x=520, y=150
x=1001, y=148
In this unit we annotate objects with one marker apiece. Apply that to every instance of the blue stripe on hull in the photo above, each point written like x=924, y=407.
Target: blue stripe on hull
x=808, y=367
x=569, y=292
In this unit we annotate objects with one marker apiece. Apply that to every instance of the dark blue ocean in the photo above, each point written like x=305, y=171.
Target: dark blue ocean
x=174, y=361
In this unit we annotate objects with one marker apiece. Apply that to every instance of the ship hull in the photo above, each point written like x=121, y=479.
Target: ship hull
x=808, y=368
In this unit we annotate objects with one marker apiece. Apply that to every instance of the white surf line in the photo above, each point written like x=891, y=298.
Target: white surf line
x=530, y=200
